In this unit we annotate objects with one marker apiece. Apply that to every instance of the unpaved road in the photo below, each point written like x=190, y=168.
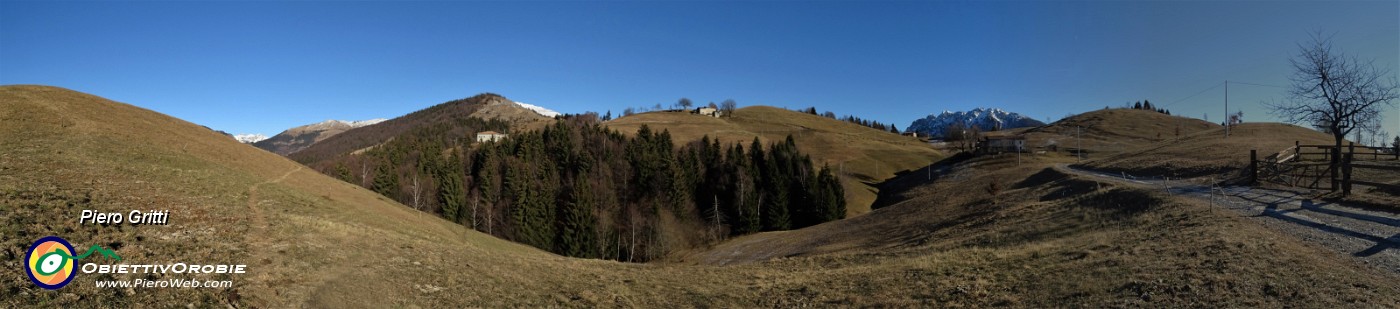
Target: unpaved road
x=1372, y=237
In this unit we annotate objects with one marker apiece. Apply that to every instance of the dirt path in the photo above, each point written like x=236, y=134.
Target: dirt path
x=1373, y=237
x=261, y=247
x=259, y=220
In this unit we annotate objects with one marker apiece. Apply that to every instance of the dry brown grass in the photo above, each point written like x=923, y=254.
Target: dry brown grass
x=1056, y=240
x=1209, y=152
x=867, y=156
x=312, y=241
x=1114, y=130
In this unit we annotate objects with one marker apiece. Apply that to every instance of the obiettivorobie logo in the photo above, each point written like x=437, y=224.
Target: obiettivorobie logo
x=50, y=262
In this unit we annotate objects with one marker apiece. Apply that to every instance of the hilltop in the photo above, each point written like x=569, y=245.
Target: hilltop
x=1111, y=131
x=449, y=114
x=230, y=203
x=298, y=138
x=864, y=155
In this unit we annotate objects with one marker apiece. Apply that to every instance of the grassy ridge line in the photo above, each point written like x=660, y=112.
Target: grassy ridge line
x=66, y=151
x=332, y=244
x=1112, y=131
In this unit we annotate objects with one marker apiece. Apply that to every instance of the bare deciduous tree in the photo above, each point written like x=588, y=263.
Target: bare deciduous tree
x=417, y=193
x=684, y=103
x=963, y=136
x=364, y=174
x=1335, y=92
x=727, y=107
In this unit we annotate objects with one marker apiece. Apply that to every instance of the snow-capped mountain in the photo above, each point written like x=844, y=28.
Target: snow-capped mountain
x=539, y=110
x=298, y=138
x=350, y=123
x=361, y=123
x=986, y=119
x=249, y=138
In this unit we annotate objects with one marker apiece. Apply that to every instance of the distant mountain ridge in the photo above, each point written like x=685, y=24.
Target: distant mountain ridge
x=450, y=115
x=250, y=138
x=986, y=119
x=298, y=138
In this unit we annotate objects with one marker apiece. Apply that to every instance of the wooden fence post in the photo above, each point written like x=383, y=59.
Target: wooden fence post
x=1334, y=167
x=1253, y=167
x=1346, y=174
x=1297, y=151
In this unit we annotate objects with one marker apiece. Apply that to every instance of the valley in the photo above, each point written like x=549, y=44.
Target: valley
x=986, y=230
x=699, y=154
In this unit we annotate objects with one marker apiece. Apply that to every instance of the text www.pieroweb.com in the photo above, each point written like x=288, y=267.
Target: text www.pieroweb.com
x=164, y=283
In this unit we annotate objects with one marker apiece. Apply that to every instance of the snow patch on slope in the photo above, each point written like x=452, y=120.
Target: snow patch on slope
x=539, y=110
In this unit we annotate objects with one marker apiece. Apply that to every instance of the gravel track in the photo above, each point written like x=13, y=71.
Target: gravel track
x=1372, y=237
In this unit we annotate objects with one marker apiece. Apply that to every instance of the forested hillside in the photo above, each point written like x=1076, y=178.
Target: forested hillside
x=579, y=189
x=861, y=156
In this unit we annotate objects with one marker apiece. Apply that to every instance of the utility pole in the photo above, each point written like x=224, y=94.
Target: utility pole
x=1227, y=108
x=1078, y=134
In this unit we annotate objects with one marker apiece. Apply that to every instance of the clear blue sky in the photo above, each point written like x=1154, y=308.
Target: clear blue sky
x=260, y=67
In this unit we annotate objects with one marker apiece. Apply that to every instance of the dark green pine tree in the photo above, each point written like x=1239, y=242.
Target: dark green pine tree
x=743, y=193
x=750, y=199
x=577, y=234
x=517, y=187
x=757, y=158
x=544, y=207
x=776, y=216
x=343, y=173
x=386, y=180
x=488, y=167
x=452, y=192
x=831, y=197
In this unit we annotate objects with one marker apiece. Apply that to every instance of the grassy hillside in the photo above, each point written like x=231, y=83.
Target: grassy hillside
x=1210, y=151
x=1111, y=131
x=312, y=241
x=307, y=238
x=866, y=156
x=1057, y=240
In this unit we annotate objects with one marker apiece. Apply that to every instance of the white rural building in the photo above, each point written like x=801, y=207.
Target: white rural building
x=707, y=111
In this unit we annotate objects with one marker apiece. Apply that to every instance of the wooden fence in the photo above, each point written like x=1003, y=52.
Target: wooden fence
x=1311, y=166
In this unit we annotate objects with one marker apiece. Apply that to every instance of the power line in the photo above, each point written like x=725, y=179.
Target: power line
x=1253, y=84
x=1218, y=86
x=1194, y=95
